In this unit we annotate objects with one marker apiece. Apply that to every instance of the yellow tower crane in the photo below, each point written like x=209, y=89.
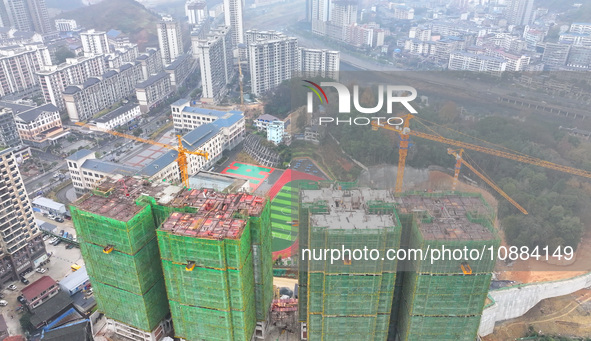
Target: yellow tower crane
x=182, y=151
x=405, y=132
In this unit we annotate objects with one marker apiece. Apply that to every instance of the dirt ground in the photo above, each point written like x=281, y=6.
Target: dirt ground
x=568, y=315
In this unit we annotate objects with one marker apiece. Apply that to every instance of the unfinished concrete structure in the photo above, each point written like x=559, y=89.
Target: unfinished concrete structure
x=427, y=301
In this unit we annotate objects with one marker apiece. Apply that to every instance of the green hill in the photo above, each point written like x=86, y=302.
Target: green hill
x=128, y=16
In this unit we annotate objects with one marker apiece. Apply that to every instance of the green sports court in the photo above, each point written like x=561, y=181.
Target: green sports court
x=254, y=174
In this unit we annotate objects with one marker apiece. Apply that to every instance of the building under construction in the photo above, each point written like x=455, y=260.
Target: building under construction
x=154, y=250
x=347, y=300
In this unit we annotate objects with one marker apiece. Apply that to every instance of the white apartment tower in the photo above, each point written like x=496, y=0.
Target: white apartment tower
x=319, y=15
x=215, y=59
x=271, y=62
x=234, y=18
x=520, y=12
x=95, y=42
x=170, y=39
x=196, y=11
x=323, y=63
x=22, y=245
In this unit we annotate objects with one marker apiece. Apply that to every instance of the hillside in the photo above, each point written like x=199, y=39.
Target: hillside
x=128, y=16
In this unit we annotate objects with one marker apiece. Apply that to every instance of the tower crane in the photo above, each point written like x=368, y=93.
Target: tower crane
x=182, y=151
x=405, y=132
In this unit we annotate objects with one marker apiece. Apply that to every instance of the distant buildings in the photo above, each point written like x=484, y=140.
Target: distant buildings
x=95, y=42
x=583, y=28
x=271, y=61
x=520, y=12
x=555, y=54
x=66, y=25
x=27, y=15
x=196, y=11
x=151, y=62
x=465, y=61
x=117, y=38
x=169, y=39
x=323, y=63
x=233, y=17
x=55, y=78
x=215, y=59
x=402, y=12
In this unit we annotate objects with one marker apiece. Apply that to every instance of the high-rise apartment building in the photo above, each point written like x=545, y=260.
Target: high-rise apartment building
x=520, y=12
x=196, y=11
x=95, y=42
x=66, y=25
x=212, y=251
x=27, y=15
x=18, y=66
x=55, y=78
x=272, y=61
x=170, y=39
x=9, y=136
x=233, y=17
x=22, y=246
x=215, y=59
x=319, y=15
x=323, y=63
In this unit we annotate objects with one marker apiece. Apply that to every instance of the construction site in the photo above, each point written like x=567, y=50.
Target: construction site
x=160, y=255
x=375, y=300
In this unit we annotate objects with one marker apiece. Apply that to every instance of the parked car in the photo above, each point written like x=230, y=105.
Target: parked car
x=53, y=240
x=58, y=242
x=24, y=280
x=21, y=299
x=62, y=233
x=70, y=246
x=51, y=216
x=59, y=219
x=46, y=236
x=3, y=303
x=41, y=270
x=12, y=287
x=1, y=295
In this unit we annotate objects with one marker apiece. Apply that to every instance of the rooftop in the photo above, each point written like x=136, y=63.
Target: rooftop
x=204, y=225
x=119, y=194
x=116, y=113
x=178, y=61
x=28, y=113
x=199, y=135
x=79, y=154
x=159, y=164
x=75, y=331
x=36, y=288
x=75, y=279
x=51, y=308
x=108, y=167
x=445, y=216
x=152, y=80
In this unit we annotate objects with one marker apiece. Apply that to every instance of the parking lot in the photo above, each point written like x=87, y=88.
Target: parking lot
x=58, y=268
x=307, y=166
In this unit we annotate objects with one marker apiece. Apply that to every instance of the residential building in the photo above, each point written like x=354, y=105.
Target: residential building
x=322, y=63
x=153, y=91
x=120, y=55
x=276, y=132
x=402, y=12
x=66, y=25
x=534, y=36
x=95, y=42
x=319, y=13
x=55, y=78
x=22, y=247
x=314, y=134
x=169, y=39
x=122, y=115
x=359, y=35
x=40, y=291
x=75, y=282
x=38, y=126
x=29, y=16
x=9, y=136
x=579, y=57
x=180, y=69
x=231, y=123
x=151, y=62
x=85, y=100
x=578, y=27
x=233, y=18
x=18, y=66
x=555, y=54
x=215, y=60
x=117, y=38
x=263, y=121
x=271, y=62
x=196, y=11
x=466, y=61
x=48, y=206
x=137, y=305
x=520, y=12
x=575, y=39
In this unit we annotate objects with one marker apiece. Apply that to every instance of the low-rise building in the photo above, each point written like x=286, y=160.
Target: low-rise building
x=122, y=115
x=46, y=205
x=76, y=281
x=276, y=132
x=465, y=61
x=263, y=121
x=38, y=126
x=153, y=91
x=40, y=291
x=314, y=134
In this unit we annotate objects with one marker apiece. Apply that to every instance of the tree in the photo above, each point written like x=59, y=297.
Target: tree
x=62, y=53
x=137, y=132
x=449, y=112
